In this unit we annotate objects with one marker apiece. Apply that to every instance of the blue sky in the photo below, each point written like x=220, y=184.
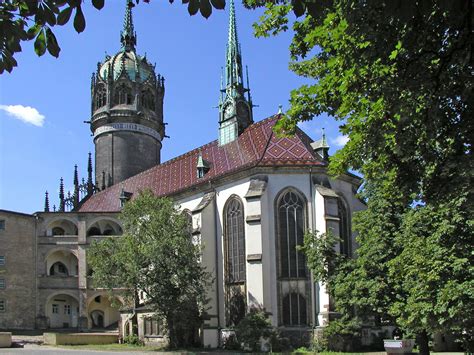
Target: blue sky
x=44, y=101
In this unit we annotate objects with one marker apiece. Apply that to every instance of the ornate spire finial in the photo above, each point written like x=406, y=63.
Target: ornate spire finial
x=280, y=108
x=90, y=184
x=61, y=195
x=46, y=202
x=128, y=37
x=76, y=188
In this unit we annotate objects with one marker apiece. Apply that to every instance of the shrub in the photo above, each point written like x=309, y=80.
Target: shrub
x=132, y=339
x=252, y=328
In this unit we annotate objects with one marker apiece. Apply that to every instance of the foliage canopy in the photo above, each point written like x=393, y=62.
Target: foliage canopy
x=155, y=256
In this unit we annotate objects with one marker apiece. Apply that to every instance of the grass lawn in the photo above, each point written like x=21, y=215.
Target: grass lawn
x=112, y=347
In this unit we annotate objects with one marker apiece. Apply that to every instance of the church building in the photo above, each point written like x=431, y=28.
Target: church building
x=249, y=194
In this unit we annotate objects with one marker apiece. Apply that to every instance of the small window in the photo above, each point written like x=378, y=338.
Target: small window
x=3, y=305
x=153, y=327
x=2, y=260
x=2, y=224
x=55, y=309
x=67, y=309
x=2, y=284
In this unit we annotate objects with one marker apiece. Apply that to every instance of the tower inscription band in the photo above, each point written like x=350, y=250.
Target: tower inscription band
x=134, y=127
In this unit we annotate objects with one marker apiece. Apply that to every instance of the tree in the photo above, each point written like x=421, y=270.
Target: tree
x=155, y=256
x=27, y=20
x=397, y=76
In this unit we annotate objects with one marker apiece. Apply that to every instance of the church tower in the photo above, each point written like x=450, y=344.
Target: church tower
x=127, y=111
x=235, y=110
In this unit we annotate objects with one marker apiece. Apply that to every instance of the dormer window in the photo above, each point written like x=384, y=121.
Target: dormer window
x=202, y=167
x=124, y=197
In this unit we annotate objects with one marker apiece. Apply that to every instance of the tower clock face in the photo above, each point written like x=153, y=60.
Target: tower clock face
x=228, y=111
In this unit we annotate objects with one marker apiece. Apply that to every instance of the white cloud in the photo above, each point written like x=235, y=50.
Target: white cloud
x=24, y=113
x=340, y=141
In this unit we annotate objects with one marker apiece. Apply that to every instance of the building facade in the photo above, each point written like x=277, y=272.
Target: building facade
x=250, y=196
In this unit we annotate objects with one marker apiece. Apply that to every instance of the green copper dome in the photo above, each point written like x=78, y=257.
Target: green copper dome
x=128, y=63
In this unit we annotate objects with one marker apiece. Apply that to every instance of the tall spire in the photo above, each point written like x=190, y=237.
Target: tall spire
x=234, y=73
x=128, y=37
x=235, y=110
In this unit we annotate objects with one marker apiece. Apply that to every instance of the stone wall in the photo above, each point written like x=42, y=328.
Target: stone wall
x=17, y=246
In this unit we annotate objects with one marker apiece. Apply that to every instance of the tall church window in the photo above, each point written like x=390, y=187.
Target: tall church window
x=293, y=276
x=235, y=263
x=344, y=228
x=100, y=97
x=148, y=99
x=123, y=95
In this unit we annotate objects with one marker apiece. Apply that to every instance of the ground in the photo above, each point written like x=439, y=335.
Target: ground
x=30, y=342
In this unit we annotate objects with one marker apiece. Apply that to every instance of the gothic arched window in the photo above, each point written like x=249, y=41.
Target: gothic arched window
x=291, y=216
x=148, y=99
x=294, y=287
x=344, y=229
x=235, y=263
x=100, y=97
x=123, y=95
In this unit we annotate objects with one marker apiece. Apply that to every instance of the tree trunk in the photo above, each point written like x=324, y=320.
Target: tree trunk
x=423, y=340
x=134, y=319
x=171, y=332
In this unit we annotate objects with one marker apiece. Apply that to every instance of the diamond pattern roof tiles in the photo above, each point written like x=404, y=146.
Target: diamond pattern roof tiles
x=256, y=146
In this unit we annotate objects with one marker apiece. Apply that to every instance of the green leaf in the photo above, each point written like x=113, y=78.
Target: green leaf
x=218, y=4
x=79, y=20
x=98, y=4
x=33, y=31
x=193, y=7
x=40, y=43
x=205, y=8
x=52, y=43
x=64, y=16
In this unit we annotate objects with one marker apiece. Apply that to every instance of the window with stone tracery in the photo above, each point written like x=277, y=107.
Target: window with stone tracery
x=100, y=97
x=123, y=95
x=344, y=228
x=148, y=99
x=293, y=275
x=235, y=263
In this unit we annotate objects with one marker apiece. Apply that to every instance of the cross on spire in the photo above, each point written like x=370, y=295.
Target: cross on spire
x=128, y=37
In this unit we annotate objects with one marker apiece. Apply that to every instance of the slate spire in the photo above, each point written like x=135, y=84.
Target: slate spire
x=128, y=37
x=234, y=70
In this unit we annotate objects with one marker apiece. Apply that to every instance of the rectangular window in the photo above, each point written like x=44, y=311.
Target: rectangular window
x=3, y=305
x=2, y=284
x=153, y=327
x=2, y=224
x=2, y=260
x=67, y=309
x=55, y=309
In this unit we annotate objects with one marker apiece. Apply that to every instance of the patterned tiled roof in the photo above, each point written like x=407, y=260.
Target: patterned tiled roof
x=256, y=146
